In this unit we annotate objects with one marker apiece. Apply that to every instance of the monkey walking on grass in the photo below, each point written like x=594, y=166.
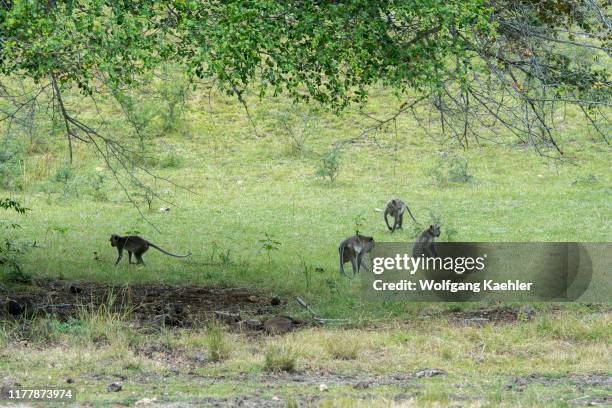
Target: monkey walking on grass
x=352, y=249
x=135, y=245
x=396, y=209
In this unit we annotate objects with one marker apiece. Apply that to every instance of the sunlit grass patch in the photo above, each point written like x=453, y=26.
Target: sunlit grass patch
x=281, y=356
x=342, y=346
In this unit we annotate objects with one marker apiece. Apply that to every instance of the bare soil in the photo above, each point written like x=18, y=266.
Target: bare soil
x=185, y=306
x=144, y=303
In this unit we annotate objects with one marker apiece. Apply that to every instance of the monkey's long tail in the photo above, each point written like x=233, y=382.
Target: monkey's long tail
x=168, y=253
x=412, y=216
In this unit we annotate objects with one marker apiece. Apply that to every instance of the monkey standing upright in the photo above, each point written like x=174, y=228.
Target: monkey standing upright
x=396, y=209
x=135, y=245
x=352, y=249
x=424, y=244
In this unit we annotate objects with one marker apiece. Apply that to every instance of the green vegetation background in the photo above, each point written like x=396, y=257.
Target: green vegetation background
x=252, y=188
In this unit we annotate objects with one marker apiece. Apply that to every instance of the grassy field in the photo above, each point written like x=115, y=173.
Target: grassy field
x=551, y=361
x=248, y=187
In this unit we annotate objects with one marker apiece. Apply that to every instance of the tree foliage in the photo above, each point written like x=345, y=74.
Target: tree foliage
x=10, y=249
x=477, y=63
x=9, y=203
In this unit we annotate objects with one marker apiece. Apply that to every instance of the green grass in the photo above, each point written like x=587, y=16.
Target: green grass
x=246, y=187
x=343, y=348
x=281, y=356
x=248, y=190
x=218, y=346
x=483, y=363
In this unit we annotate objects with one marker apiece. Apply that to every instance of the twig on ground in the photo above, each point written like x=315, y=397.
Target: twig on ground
x=315, y=316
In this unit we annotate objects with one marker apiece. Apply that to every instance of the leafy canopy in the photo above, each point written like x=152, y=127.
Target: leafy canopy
x=509, y=59
x=329, y=51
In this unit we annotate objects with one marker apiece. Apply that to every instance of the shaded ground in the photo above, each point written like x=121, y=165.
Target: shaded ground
x=187, y=306
x=147, y=303
x=184, y=306
x=494, y=315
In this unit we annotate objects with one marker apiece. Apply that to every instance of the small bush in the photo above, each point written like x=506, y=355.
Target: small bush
x=157, y=108
x=458, y=170
x=11, y=271
x=147, y=196
x=569, y=328
x=8, y=332
x=93, y=325
x=63, y=175
x=280, y=357
x=299, y=125
x=330, y=165
x=11, y=249
x=345, y=348
x=96, y=186
x=226, y=257
x=67, y=183
x=170, y=160
x=451, y=169
x=359, y=220
x=139, y=112
x=306, y=271
x=449, y=234
x=173, y=90
x=269, y=244
x=217, y=342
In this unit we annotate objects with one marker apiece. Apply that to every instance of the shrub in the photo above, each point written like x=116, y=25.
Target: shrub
x=103, y=324
x=63, y=174
x=458, y=170
x=170, y=160
x=299, y=125
x=451, y=169
x=96, y=183
x=588, y=179
x=330, y=165
x=46, y=330
x=93, y=325
x=173, y=91
x=269, y=244
x=139, y=112
x=358, y=220
x=10, y=249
